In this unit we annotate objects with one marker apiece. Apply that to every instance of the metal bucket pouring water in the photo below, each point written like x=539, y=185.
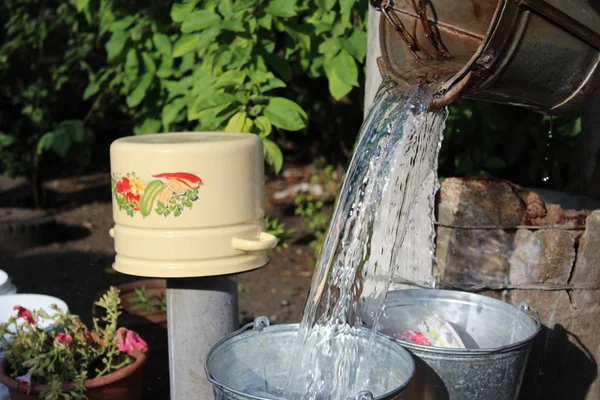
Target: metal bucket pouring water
x=497, y=337
x=541, y=54
x=249, y=363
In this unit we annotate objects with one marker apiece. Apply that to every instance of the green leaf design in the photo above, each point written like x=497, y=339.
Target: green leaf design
x=285, y=114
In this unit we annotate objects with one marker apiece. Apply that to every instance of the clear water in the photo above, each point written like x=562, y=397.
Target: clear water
x=397, y=149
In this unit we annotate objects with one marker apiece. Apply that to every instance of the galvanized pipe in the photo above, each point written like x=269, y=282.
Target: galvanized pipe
x=200, y=312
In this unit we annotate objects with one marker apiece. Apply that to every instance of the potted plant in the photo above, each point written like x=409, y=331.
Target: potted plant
x=68, y=360
x=144, y=310
x=144, y=305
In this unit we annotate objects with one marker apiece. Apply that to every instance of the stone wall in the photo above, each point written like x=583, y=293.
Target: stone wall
x=503, y=241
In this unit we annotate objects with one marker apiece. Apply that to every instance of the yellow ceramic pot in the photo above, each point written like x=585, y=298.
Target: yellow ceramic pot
x=189, y=204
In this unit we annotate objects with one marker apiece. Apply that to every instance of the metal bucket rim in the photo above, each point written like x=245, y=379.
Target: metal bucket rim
x=294, y=327
x=482, y=351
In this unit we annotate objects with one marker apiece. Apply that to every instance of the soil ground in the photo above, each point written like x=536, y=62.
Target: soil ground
x=76, y=265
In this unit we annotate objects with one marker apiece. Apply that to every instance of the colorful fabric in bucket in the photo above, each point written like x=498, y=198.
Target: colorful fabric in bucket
x=432, y=331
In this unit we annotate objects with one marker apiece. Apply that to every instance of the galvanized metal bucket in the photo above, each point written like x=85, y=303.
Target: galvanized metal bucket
x=249, y=363
x=498, y=338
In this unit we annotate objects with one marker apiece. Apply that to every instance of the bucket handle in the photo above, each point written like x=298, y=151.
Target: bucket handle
x=532, y=312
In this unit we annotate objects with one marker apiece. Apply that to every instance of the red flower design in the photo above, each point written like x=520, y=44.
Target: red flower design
x=123, y=186
x=63, y=339
x=24, y=313
x=135, y=199
x=129, y=340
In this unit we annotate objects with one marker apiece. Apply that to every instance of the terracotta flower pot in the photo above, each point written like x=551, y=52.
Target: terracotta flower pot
x=150, y=326
x=125, y=383
x=136, y=319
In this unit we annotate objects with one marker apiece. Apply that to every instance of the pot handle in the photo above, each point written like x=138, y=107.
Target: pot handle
x=265, y=241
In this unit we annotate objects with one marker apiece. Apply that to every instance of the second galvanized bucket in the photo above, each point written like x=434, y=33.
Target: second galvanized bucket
x=254, y=362
x=497, y=337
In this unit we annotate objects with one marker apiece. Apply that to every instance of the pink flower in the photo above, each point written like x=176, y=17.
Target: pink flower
x=123, y=185
x=24, y=313
x=129, y=340
x=25, y=381
x=63, y=339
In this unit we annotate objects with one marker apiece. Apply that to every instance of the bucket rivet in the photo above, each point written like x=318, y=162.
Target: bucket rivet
x=261, y=323
x=364, y=395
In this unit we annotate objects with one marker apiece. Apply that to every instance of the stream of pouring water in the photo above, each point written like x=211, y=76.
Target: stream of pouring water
x=397, y=149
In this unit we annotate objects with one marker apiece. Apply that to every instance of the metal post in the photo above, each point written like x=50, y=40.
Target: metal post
x=200, y=312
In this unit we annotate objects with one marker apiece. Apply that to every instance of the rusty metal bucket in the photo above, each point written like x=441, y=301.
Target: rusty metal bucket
x=540, y=54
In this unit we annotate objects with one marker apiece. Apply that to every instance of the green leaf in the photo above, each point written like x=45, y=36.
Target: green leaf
x=263, y=125
x=326, y=5
x=45, y=142
x=148, y=62
x=230, y=78
x=337, y=87
x=121, y=24
x=345, y=68
x=239, y=123
x=185, y=44
x=162, y=43
x=199, y=20
x=180, y=11
x=330, y=47
x=62, y=138
x=131, y=63
x=273, y=154
x=6, y=140
x=90, y=90
x=282, y=8
x=356, y=44
x=285, y=114
x=171, y=111
x=138, y=94
x=81, y=4
x=115, y=44
x=149, y=126
x=212, y=101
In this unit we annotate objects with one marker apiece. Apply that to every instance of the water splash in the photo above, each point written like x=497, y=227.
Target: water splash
x=397, y=149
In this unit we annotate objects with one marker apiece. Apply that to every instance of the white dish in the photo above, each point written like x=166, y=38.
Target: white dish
x=29, y=301
x=6, y=286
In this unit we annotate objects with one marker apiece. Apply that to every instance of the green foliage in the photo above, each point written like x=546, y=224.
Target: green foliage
x=226, y=65
x=44, y=48
x=147, y=304
x=277, y=229
x=67, y=351
x=487, y=139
